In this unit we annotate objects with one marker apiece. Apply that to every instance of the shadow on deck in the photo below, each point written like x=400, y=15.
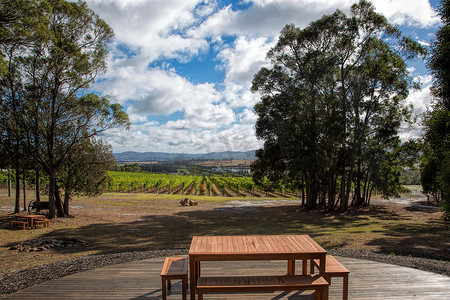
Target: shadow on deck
x=141, y=280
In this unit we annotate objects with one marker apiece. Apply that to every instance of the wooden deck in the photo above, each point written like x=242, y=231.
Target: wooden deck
x=141, y=280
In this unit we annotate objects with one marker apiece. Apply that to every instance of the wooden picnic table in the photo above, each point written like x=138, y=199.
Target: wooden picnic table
x=30, y=219
x=254, y=247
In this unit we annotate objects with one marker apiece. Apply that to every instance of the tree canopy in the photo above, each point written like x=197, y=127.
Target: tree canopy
x=48, y=115
x=435, y=174
x=331, y=107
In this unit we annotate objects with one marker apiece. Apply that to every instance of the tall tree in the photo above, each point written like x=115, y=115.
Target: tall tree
x=62, y=68
x=335, y=90
x=56, y=116
x=435, y=175
x=19, y=29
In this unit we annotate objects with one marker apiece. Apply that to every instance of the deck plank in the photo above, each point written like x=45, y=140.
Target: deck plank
x=141, y=280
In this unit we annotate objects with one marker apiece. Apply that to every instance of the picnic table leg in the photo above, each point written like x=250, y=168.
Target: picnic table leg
x=198, y=269
x=318, y=294
x=164, y=290
x=184, y=283
x=193, y=276
x=345, y=289
x=322, y=273
x=325, y=293
x=291, y=267
x=304, y=267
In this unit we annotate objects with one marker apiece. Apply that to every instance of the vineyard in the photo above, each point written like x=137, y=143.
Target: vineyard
x=190, y=185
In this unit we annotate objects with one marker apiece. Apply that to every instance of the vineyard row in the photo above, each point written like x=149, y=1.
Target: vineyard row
x=190, y=185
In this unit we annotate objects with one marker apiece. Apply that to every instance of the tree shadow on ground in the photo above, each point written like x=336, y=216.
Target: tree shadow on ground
x=159, y=232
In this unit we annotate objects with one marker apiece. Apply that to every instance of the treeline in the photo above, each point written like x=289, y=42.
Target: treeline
x=51, y=52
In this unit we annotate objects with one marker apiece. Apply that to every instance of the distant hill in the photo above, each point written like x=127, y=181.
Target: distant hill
x=163, y=156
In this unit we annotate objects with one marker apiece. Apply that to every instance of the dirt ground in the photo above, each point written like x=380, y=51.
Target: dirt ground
x=118, y=222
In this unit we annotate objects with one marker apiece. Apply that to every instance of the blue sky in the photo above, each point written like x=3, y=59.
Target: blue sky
x=182, y=69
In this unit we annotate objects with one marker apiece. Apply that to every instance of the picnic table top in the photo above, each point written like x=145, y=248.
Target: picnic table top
x=254, y=244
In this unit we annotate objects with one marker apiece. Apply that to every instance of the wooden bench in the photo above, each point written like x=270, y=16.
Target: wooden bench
x=230, y=284
x=44, y=221
x=333, y=268
x=174, y=268
x=24, y=224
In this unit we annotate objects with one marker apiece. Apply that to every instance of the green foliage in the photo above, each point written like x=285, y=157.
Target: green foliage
x=54, y=50
x=134, y=167
x=435, y=174
x=21, y=23
x=439, y=61
x=3, y=177
x=334, y=94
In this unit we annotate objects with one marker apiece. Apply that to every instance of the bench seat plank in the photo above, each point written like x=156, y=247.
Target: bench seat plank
x=174, y=268
x=333, y=268
x=225, y=284
x=24, y=224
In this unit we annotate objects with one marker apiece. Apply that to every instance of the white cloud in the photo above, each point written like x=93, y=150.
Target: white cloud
x=156, y=91
x=151, y=26
x=207, y=117
x=239, y=137
x=268, y=17
x=423, y=43
x=241, y=61
x=264, y=18
x=421, y=98
x=248, y=117
x=407, y=12
x=245, y=58
x=238, y=95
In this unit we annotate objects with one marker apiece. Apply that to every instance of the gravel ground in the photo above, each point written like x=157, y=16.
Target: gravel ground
x=17, y=280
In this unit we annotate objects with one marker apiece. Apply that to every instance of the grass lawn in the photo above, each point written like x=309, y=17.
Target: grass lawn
x=130, y=222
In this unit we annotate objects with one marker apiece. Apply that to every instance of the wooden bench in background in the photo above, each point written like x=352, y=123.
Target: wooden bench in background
x=333, y=268
x=174, y=268
x=44, y=221
x=23, y=223
x=235, y=284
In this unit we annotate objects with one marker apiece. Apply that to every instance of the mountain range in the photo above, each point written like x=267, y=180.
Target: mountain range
x=131, y=156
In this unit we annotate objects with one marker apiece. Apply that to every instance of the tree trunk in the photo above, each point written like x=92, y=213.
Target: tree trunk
x=24, y=186
x=17, y=206
x=51, y=195
x=66, y=203
x=59, y=203
x=9, y=181
x=37, y=184
x=342, y=192
x=331, y=191
x=344, y=203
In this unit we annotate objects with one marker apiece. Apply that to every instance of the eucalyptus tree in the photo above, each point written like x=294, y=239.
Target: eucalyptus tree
x=19, y=29
x=435, y=175
x=54, y=73
x=335, y=90
x=60, y=70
